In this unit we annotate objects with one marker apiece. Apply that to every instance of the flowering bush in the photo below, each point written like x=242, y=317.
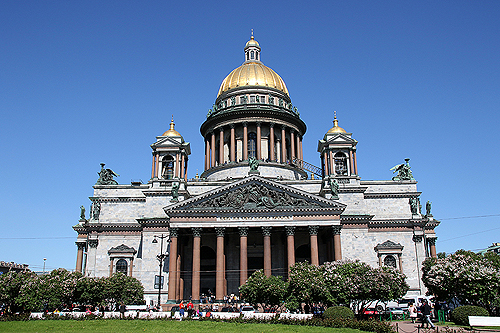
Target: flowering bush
x=472, y=278
x=460, y=315
x=260, y=289
x=306, y=284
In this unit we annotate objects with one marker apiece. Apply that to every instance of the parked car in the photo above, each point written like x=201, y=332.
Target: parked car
x=369, y=313
x=247, y=309
x=395, y=312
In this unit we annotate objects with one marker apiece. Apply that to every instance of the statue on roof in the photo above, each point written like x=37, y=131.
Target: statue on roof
x=403, y=170
x=175, y=192
x=428, y=208
x=82, y=213
x=334, y=187
x=106, y=176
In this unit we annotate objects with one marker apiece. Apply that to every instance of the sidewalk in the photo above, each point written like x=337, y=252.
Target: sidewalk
x=408, y=327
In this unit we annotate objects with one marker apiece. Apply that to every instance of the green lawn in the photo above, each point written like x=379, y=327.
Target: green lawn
x=160, y=326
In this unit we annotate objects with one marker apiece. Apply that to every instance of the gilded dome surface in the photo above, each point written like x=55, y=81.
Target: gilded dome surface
x=172, y=131
x=336, y=128
x=253, y=74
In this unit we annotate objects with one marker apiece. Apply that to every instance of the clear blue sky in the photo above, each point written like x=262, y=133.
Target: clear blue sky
x=85, y=82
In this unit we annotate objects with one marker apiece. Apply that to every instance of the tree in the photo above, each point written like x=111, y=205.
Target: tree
x=49, y=292
x=260, y=289
x=91, y=291
x=356, y=283
x=121, y=288
x=306, y=285
x=10, y=287
x=472, y=278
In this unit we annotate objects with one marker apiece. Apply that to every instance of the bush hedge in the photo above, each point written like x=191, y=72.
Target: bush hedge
x=341, y=312
x=460, y=315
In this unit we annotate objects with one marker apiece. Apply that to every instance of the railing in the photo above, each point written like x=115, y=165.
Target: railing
x=308, y=167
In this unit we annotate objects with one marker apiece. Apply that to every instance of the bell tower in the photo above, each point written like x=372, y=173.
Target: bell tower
x=170, y=155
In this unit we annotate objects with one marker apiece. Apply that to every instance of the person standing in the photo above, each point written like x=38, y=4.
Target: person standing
x=122, y=310
x=412, y=309
x=181, y=310
x=426, y=312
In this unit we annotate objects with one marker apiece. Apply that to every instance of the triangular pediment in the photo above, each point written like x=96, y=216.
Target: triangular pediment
x=168, y=141
x=340, y=138
x=253, y=195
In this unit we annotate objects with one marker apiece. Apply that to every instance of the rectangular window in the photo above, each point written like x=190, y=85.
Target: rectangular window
x=252, y=99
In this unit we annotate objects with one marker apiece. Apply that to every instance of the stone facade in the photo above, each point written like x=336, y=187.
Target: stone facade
x=218, y=228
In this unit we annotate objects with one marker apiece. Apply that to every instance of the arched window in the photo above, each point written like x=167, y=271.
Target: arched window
x=390, y=261
x=340, y=164
x=256, y=55
x=252, y=144
x=121, y=266
x=252, y=55
x=168, y=167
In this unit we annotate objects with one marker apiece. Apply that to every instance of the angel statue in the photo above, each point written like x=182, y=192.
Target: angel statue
x=403, y=170
x=254, y=164
x=106, y=176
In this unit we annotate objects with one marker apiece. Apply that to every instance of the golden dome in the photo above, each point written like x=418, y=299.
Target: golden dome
x=253, y=74
x=336, y=128
x=252, y=42
x=172, y=131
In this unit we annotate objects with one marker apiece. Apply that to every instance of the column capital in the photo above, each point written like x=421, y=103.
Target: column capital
x=283, y=127
x=245, y=124
x=231, y=126
x=266, y=231
x=93, y=243
x=271, y=125
x=292, y=130
x=243, y=231
x=417, y=238
x=258, y=123
x=81, y=245
x=290, y=231
x=174, y=232
x=431, y=240
x=313, y=229
x=221, y=129
x=196, y=231
x=220, y=231
x=336, y=229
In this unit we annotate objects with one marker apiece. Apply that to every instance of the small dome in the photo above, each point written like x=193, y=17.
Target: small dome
x=252, y=42
x=336, y=128
x=172, y=131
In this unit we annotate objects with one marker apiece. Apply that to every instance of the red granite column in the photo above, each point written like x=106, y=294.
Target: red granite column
x=233, y=144
x=266, y=231
x=400, y=263
x=351, y=166
x=182, y=166
x=79, y=256
x=195, y=288
x=245, y=141
x=271, y=143
x=131, y=266
x=432, y=245
x=355, y=163
x=259, y=142
x=111, y=265
x=207, y=154
x=292, y=144
x=172, y=266
x=243, y=254
x=290, y=242
x=332, y=164
x=220, y=269
x=157, y=164
x=283, y=145
x=221, y=146
x=337, y=248
x=300, y=145
x=325, y=166
x=177, y=165
x=153, y=166
x=212, y=145
x=313, y=233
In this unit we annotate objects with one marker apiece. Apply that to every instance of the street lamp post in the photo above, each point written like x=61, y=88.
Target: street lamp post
x=161, y=257
x=44, y=260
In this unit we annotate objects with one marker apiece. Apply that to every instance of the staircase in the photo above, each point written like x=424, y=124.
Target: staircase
x=307, y=167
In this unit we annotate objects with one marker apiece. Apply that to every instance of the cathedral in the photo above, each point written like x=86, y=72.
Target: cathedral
x=257, y=205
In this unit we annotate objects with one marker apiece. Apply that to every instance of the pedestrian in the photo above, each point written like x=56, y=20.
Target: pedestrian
x=122, y=310
x=190, y=308
x=412, y=309
x=426, y=313
x=181, y=310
